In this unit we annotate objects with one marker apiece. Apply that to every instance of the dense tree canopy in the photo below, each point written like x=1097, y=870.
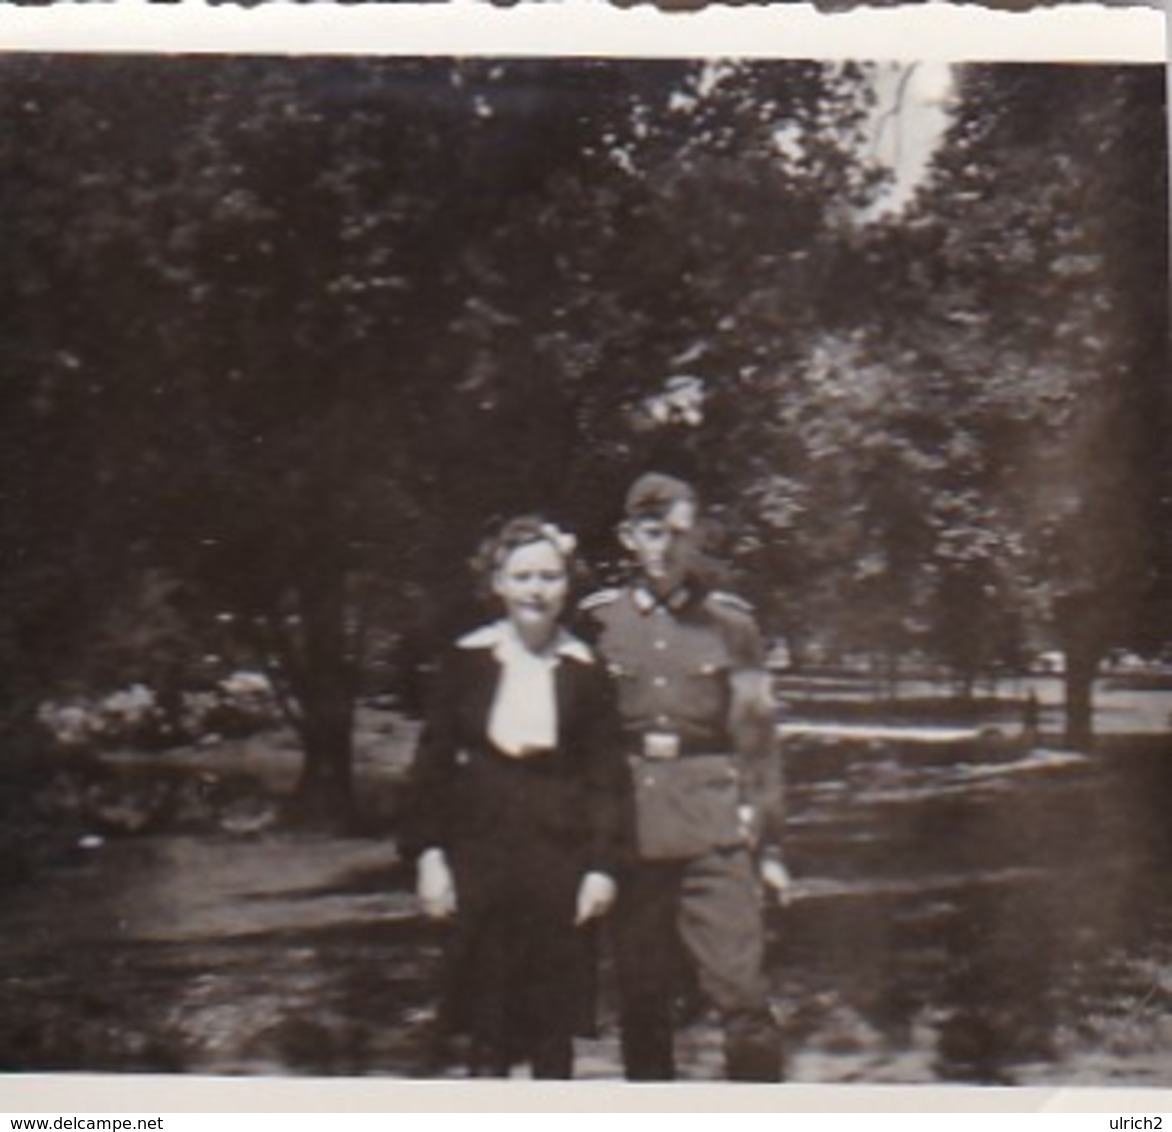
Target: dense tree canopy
x=1026, y=298
x=291, y=334
x=311, y=326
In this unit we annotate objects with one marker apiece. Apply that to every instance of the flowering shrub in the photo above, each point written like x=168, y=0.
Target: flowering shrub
x=240, y=704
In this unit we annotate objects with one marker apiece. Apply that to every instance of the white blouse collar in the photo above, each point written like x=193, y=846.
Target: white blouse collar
x=501, y=637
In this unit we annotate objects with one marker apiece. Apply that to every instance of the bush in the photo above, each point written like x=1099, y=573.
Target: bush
x=239, y=705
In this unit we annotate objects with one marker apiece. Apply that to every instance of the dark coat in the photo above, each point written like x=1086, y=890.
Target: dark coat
x=519, y=835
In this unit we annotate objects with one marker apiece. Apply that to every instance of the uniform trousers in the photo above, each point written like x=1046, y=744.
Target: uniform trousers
x=710, y=905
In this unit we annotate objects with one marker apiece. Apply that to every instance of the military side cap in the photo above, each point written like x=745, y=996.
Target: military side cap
x=656, y=495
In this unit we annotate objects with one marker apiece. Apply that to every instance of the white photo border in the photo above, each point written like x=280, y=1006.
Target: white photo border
x=581, y=28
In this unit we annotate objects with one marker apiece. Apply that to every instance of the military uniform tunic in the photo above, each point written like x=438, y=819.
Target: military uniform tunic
x=692, y=887
x=672, y=660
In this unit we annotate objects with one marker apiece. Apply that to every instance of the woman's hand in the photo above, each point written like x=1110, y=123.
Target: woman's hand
x=596, y=894
x=434, y=885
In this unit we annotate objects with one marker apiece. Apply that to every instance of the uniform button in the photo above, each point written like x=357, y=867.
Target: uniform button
x=660, y=681
x=661, y=644
x=662, y=720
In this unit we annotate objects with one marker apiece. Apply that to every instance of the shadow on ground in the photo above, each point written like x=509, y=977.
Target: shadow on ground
x=1006, y=921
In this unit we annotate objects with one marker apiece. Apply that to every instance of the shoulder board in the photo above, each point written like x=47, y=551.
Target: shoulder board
x=730, y=601
x=598, y=599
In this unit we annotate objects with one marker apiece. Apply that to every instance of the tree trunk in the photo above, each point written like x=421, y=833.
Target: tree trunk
x=324, y=798
x=1081, y=665
x=21, y=738
x=1084, y=637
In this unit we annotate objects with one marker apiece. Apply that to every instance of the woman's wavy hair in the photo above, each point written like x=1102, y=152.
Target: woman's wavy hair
x=523, y=530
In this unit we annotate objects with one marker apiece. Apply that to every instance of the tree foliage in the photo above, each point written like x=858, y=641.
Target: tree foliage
x=291, y=334
x=312, y=326
x=1018, y=353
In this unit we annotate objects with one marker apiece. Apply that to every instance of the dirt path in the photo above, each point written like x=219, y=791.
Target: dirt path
x=280, y=954
x=268, y=955
x=247, y=951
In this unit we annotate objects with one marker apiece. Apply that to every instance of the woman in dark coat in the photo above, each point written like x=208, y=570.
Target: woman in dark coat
x=519, y=807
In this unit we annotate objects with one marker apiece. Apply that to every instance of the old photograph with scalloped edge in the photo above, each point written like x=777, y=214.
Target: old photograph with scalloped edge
x=282, y=339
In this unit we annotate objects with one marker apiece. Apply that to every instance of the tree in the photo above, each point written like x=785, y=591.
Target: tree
x=316, y=305
x=76, y=351
x=1026, y=297
x=698, y=240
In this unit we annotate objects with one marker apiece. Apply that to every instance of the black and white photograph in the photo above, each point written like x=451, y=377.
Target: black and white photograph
x=585, y=568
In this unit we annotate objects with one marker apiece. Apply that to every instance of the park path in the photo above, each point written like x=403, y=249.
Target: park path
x=251, y=951
x=267, y=955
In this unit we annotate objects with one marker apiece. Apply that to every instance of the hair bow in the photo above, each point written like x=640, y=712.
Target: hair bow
x=563, y=542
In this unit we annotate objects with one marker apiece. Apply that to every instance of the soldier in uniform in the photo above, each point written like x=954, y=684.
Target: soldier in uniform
x=698, y=720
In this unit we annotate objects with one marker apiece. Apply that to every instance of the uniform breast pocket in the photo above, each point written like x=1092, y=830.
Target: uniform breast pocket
x=706, y=684
x=627, y=685
x=620, y=669
x=715, y=667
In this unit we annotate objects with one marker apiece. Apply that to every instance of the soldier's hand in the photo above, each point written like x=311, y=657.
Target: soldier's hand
x=775, y=876
x=435, y=886
x=596, y=894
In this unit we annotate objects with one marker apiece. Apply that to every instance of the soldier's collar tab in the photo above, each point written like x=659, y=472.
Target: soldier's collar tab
x=646, y=599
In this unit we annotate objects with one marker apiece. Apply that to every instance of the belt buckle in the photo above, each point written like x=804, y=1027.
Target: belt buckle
x=661, y=745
